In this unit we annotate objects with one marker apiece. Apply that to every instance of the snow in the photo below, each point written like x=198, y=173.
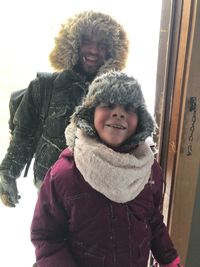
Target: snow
x=27, y=34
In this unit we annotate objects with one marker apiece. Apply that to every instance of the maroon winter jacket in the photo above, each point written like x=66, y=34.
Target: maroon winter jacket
x=76, y=226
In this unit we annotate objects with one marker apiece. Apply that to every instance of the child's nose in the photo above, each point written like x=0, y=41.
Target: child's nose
x=119, y=112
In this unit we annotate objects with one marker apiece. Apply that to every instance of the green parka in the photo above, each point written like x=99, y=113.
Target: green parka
x=44, y=138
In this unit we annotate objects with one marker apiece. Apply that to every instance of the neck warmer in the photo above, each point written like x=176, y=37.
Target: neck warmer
x=118, y=176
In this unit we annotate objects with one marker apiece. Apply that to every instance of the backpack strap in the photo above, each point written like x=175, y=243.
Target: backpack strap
x=46, y=84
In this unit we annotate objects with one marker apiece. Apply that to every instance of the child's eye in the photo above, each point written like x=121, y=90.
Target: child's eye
x=110, y=106
x=130, y=109
x=107, y=105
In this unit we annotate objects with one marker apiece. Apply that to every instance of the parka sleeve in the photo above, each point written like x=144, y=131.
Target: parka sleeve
x=161, y=245
x=23, y=141
x=49, y=228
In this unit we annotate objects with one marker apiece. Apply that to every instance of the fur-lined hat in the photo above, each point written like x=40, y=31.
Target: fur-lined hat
x=89, y=23
x=115, y=88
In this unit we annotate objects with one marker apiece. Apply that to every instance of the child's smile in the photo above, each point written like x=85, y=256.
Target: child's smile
x=116, y=126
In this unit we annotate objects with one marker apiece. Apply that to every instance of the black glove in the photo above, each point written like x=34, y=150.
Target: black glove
x=8, y=191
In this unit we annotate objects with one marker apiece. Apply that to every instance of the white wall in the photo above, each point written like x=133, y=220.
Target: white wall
x=27, y=36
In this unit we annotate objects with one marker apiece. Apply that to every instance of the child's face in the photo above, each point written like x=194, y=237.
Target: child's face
x=114, y=123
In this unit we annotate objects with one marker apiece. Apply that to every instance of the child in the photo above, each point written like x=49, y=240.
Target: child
x=99, y=203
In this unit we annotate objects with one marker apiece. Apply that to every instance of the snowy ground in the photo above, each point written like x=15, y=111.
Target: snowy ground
x=15, y=246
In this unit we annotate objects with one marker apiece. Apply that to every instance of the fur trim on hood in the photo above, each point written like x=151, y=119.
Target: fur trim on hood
x=65, y=53
x=115, y=88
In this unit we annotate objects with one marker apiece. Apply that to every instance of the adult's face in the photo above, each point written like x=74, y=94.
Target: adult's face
x=92, y=54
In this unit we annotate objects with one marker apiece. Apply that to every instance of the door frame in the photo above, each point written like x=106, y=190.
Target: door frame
x=178, y=81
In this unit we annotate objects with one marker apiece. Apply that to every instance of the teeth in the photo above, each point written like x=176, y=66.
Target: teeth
x=89, y=58
x=117, y=126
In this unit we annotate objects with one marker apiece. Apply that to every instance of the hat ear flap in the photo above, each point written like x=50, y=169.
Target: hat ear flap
x=83, y=113
x=82, y=118
x=70, y=134
x=146, y=126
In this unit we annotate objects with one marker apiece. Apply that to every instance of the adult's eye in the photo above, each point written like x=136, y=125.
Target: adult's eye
x=85, y=42
x=102, y=46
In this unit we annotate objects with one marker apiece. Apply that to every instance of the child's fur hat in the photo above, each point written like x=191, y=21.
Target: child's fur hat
x=115, y=88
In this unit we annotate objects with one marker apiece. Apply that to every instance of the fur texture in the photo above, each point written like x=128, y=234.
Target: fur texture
x=118, y=176
x=116, y=88
x=65, y=53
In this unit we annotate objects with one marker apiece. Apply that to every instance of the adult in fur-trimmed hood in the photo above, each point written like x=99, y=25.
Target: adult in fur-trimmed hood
x=99, y=203
x=109, y=32
x=88, y=44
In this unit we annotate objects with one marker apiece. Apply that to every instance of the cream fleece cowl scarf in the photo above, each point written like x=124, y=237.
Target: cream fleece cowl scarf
x=118, y=176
